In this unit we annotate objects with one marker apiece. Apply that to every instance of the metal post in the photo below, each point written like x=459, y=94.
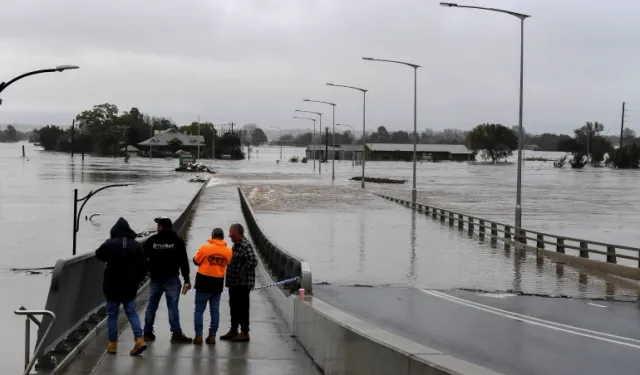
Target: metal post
x=73, y=133
x=320, y=131
x=150, y=136
x=521, y=137
x=415, y=132
x=82, y=141
x=281, y=144
x=75, y=215
x=27, y=341
x=622, y=124
x=198, y=137
x=364, y=129
x=333, y=146
x=314, y=145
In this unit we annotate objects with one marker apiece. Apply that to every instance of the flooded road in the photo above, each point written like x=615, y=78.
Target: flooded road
x=348, y=237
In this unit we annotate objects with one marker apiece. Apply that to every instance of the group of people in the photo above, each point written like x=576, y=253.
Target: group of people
x=163, y=257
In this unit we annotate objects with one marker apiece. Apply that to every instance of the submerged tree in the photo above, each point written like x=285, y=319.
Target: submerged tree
x=494, y=140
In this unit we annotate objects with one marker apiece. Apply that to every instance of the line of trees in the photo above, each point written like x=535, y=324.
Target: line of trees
x=11, y=134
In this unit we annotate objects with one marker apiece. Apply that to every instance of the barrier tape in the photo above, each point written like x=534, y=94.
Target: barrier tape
x=287, y=281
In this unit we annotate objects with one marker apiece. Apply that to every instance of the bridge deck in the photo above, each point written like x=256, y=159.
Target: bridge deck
x=272, y=350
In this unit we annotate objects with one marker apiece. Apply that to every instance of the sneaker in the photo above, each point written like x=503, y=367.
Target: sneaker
x=197, y=340
x=112, y=348
x=180, y=338
x=139, y=347
x=242, y=337
x=229, y=335
x=211, y=340
x=149, y=336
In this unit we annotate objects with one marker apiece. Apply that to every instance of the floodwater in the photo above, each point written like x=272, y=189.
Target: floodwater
x=348, y=237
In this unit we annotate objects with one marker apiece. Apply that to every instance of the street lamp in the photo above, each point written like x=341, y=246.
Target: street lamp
x=213, y=142
x=415, y=116
x=314, y=138
x=353, y=144
x=364, y=122
x=333, y=146
x=521, y=17
x=275, y=127
x=76, y=213
x=59, y=68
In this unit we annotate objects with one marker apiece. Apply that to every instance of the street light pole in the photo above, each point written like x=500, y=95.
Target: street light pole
x=77, y=213
x=213, y=143
x=364, y=122
x=198, y=157
x=415, y=117
x=59, y=68
x=353, y=144
x=314, y=139
x=275, y=127
x=333, y=147
x=521, y=17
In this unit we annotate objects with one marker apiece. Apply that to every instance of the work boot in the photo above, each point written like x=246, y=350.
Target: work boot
x=179, y=338
x=229, y=335
x=242, y=337
x=149, y=336
x=211, y=340
x=139, y=347
x=112, y=348
x=197, y=340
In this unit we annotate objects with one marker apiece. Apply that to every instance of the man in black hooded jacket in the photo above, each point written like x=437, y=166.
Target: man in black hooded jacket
x=125, y=270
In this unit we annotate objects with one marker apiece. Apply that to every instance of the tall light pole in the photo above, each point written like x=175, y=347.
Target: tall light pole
x=59, y=68
x=415, y=116
x=333, y=146
x=198, y=157
x=314, y=138
x=521, y=17
x=353, y=144
x=213, y=142
x=275, y=127
x=364, y=122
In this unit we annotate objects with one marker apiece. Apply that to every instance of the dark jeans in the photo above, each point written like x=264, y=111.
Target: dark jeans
x=113, y=309
x=213, y=299
x=171, y=288
x=239, y=306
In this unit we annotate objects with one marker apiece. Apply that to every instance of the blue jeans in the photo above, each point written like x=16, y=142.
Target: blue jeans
x=214, y=309
x=171, y=288
x=113, y=309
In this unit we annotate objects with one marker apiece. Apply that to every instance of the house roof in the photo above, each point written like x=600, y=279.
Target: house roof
x=347, y=148
x=130, y=148
x=163, y=139
x=407, y=147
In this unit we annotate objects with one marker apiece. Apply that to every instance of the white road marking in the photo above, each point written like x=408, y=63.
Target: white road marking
x=595, y=304
x=496, y=295
x=537, y=321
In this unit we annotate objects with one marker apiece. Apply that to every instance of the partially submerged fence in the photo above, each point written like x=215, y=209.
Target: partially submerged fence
x=535, y=239
x=282, y=265
x=77, y=302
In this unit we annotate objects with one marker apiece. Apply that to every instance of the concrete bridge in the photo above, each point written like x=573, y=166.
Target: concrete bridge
x=342, y=329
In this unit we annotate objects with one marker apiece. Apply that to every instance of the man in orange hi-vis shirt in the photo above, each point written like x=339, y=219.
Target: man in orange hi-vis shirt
x=212, y=259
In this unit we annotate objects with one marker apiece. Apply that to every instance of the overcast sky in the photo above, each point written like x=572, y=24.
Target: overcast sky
x=255, y=60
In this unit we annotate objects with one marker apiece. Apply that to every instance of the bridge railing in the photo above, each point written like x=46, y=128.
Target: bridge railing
x=610, y=253
x=282, y=264
x=76, y=300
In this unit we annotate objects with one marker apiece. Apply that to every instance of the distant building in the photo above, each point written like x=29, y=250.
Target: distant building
x=130, y=150
x=426, y=152
x=343, y=152
x=169, y=142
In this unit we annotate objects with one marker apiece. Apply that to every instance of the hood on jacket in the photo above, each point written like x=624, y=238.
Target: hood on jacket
x=122, y=229
x=217, y=241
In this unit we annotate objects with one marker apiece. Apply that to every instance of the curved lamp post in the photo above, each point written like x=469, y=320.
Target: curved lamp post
x=76, y=213
x=364, y=122
x=59, y=68
x=314, y=138
x=275, y=127
x=415, y=115
x=333, y=146
x=521, y=17
x=353, y=144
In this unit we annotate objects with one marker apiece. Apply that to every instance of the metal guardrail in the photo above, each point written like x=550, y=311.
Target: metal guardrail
x=540, y=239
x=282, y=264
x=76, y=302
x=30, y=314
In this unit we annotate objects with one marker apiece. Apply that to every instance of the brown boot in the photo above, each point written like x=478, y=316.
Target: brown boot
x=229, y=335
x=139, y=347
x=211, y=340
x=179, y=338
x=112, y=348
x=242, y=337
x=197, y=340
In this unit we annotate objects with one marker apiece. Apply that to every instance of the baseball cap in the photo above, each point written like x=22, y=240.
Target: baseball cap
x=164, y=221
x=217, y=232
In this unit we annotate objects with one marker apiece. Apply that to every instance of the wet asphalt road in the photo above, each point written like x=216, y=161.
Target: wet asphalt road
x=599, y=337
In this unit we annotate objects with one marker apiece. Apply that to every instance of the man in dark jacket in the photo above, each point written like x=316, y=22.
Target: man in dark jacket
x=241, y=279
x=167, y=258
x=125, y=271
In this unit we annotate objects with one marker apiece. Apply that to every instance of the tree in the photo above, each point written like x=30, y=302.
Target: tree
x=101, y=127
x=10, y=134
x=496, y=141
x=259, y=137
x=246, y=133
x=399, y=137
x=49, y=136
x=600, y=146
x=628, y=156
x=586, y=134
